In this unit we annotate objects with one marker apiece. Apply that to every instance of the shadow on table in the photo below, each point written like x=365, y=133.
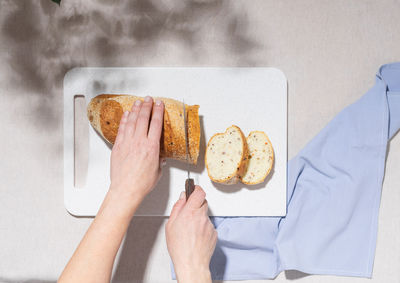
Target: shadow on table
x=295, y=274
x=139, y=242
x=44, y=40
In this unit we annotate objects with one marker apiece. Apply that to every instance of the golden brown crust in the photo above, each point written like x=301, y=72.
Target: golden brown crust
x=110, y=115
x=172, y=144
x=272, y=161
x=194, y=130
x=241, y=166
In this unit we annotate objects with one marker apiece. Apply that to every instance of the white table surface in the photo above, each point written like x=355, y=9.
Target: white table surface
x=329, y=51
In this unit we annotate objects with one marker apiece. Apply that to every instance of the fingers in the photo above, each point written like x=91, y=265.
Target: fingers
x=204, y=207
x=132, y=119
x=178, y=206
x=156, y=123
x=197, y=198
x=121, y=128
x=142, y=124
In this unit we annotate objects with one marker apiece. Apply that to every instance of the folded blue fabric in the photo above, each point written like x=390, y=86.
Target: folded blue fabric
x=334, y=190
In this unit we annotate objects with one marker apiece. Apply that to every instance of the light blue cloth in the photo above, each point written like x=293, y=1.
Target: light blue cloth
x=334, y=191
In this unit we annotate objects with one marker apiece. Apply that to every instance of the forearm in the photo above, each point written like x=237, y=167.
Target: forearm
x=93, y=259
x=193, y=275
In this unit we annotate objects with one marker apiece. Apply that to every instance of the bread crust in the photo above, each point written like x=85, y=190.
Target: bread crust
x=272, y=161
x=105, y=111
x=241, y=166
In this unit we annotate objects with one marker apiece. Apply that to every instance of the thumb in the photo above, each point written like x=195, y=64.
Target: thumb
x=178, y=206
x=197, y=198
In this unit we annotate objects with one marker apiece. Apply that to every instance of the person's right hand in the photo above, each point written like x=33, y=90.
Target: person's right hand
x=191, y=238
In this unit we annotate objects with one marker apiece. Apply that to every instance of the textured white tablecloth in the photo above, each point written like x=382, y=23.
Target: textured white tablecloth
x=329, y=51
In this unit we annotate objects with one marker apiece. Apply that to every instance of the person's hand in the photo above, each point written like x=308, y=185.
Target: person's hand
x=135, y=162
x=191, y=238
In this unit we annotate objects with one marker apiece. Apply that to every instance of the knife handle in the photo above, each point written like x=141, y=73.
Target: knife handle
x=189, y=187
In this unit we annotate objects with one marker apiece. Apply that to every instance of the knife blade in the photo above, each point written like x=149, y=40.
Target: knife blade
x=189, y=183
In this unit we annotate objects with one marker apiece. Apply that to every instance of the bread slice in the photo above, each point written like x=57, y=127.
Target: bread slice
x=227, y=156
x=261, y=158
x=105, y=111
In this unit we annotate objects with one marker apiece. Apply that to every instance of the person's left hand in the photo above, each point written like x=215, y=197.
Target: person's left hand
x=135, y=169
x=135, y=161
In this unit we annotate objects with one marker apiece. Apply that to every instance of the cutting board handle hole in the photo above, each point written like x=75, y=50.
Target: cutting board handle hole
x=81, y=141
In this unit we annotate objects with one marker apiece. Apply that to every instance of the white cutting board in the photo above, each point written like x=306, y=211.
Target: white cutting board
x=251, y=98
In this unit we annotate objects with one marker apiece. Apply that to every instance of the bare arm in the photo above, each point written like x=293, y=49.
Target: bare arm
x=191, y=238
x=135, y=169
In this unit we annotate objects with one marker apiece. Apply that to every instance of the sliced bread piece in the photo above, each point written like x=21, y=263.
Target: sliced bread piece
x=227, y=156
x=261, y=158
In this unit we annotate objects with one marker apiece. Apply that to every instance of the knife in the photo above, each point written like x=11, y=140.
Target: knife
x=189, y=183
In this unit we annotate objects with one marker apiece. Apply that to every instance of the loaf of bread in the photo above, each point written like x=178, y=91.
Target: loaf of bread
x=105, y=111
x=227, y=156
x=261, y=158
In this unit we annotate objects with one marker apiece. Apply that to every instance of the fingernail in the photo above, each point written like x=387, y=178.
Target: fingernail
x=126, y=113
x=158, y=102
x=138, y=102
x=147, y=99
x=182, y=195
